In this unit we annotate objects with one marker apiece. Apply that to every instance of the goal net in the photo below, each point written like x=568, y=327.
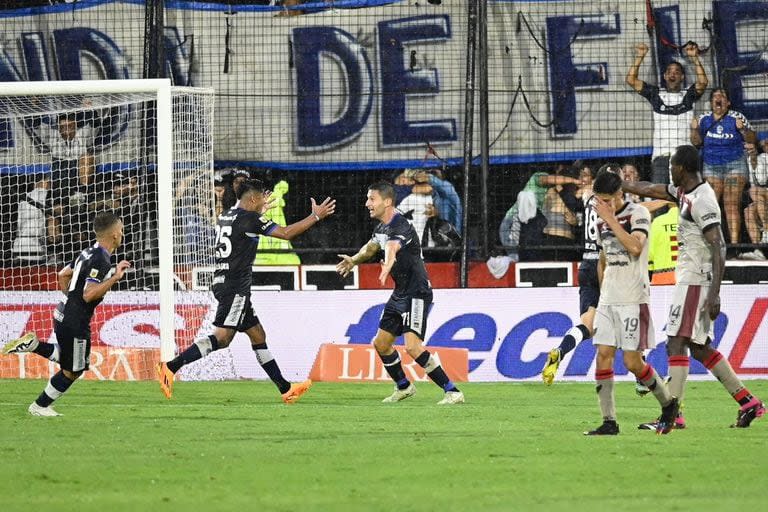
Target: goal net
x=139, y=148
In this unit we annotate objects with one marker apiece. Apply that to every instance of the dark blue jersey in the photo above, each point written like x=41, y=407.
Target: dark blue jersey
x=91, y=266
x=591, y=244
x=408, y=272
x=237, y=238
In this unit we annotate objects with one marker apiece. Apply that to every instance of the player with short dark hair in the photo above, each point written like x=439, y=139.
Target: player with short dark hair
x=699, y=272
x=622, y=319
x=407, y=309
x=237, y=238
x=84, y=282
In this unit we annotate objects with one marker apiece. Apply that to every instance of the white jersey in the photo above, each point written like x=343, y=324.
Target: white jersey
x=672, y=115
x=625, y=280
x=699, y=211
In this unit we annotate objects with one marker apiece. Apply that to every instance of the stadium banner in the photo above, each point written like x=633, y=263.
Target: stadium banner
x=507, y=332
x=367, y=88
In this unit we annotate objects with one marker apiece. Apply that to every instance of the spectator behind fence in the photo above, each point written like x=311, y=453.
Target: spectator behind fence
x=721, y=133
x=672, y=107
x=526, y=213
x=70, y=143
x=439, y=233
x=413, y=207
x=445, y=198
x=756, y=214
x=561, y=219
x=29, y=247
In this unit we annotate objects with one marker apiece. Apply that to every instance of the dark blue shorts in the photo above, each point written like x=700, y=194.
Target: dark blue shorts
x=235, y=310
x=74, y=348
x=406, y=313
x=589, y=286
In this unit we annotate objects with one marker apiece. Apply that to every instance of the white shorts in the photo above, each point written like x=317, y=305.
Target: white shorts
x=685, y=316
x=625, y=326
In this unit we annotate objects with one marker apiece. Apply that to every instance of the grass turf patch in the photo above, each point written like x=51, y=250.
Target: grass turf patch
x=229, y=445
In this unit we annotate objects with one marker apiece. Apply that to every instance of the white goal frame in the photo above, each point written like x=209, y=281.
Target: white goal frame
x=161, y=87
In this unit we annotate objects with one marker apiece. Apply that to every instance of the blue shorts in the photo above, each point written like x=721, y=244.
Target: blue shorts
x=736, y=167
x=589, y=286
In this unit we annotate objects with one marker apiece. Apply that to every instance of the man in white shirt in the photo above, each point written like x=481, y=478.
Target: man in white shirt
x=672, y=106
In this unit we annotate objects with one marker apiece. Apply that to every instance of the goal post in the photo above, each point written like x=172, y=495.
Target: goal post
x=69, y=149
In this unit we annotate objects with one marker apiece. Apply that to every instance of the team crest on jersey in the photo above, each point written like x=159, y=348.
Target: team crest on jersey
x=94, y=272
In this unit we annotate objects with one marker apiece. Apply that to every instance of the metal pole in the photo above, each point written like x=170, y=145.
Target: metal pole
x=469, y=114
x=482, y=25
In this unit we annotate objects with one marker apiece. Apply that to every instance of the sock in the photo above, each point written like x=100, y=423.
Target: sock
x=56, y=387
x=199, y=349
x=268, y=363
x=721, y=368
x=604, y=388
x=49, y=351
x=573, y=337
x=648, y=377
x=678, y=374
x=435, y=371
x=395, y=369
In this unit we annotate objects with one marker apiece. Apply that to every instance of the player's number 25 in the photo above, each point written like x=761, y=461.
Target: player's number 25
x=223, y=243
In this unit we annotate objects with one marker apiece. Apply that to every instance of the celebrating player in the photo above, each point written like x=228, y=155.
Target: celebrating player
x=237, y=239
x=699, y=271
x=84, y=283
x=589, y=288
x=623, y=319
x=407, y=309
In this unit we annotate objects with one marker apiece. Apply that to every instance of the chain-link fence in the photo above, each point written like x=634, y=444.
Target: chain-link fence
x=330, y=96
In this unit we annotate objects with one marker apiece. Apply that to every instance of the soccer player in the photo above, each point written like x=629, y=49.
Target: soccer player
x=589, y=287
x=407, y=309
x=699, y=271
x=84, y=282
x=237, y=239
x=622, y=318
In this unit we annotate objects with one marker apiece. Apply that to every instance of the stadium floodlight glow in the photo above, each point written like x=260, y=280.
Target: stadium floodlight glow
x=143, y=148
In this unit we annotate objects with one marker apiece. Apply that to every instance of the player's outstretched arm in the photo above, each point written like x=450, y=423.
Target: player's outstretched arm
x=95, y=291
x=319, y=212
x=646, y=189
x=347, y=263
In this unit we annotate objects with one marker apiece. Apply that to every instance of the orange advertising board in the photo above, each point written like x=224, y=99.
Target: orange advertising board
x=106, y=363
x=361, y=363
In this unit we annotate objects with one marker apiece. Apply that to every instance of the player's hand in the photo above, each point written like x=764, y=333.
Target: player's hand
x=695, y=123
x=711, y=307
x=641, y=49
x=269, y=202
x=121, y=268
x=603, y=209
x=739, y=124
x=345, y=266
x=324, y=209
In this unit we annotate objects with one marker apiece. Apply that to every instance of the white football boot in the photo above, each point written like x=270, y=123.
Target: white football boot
x=400, y=394
x=452, y=397
x=36, y=410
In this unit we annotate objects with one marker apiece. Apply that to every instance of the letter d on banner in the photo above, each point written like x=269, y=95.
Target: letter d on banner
x=315, y=51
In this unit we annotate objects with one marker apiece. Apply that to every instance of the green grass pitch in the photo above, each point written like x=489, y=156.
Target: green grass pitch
x=235, y=446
